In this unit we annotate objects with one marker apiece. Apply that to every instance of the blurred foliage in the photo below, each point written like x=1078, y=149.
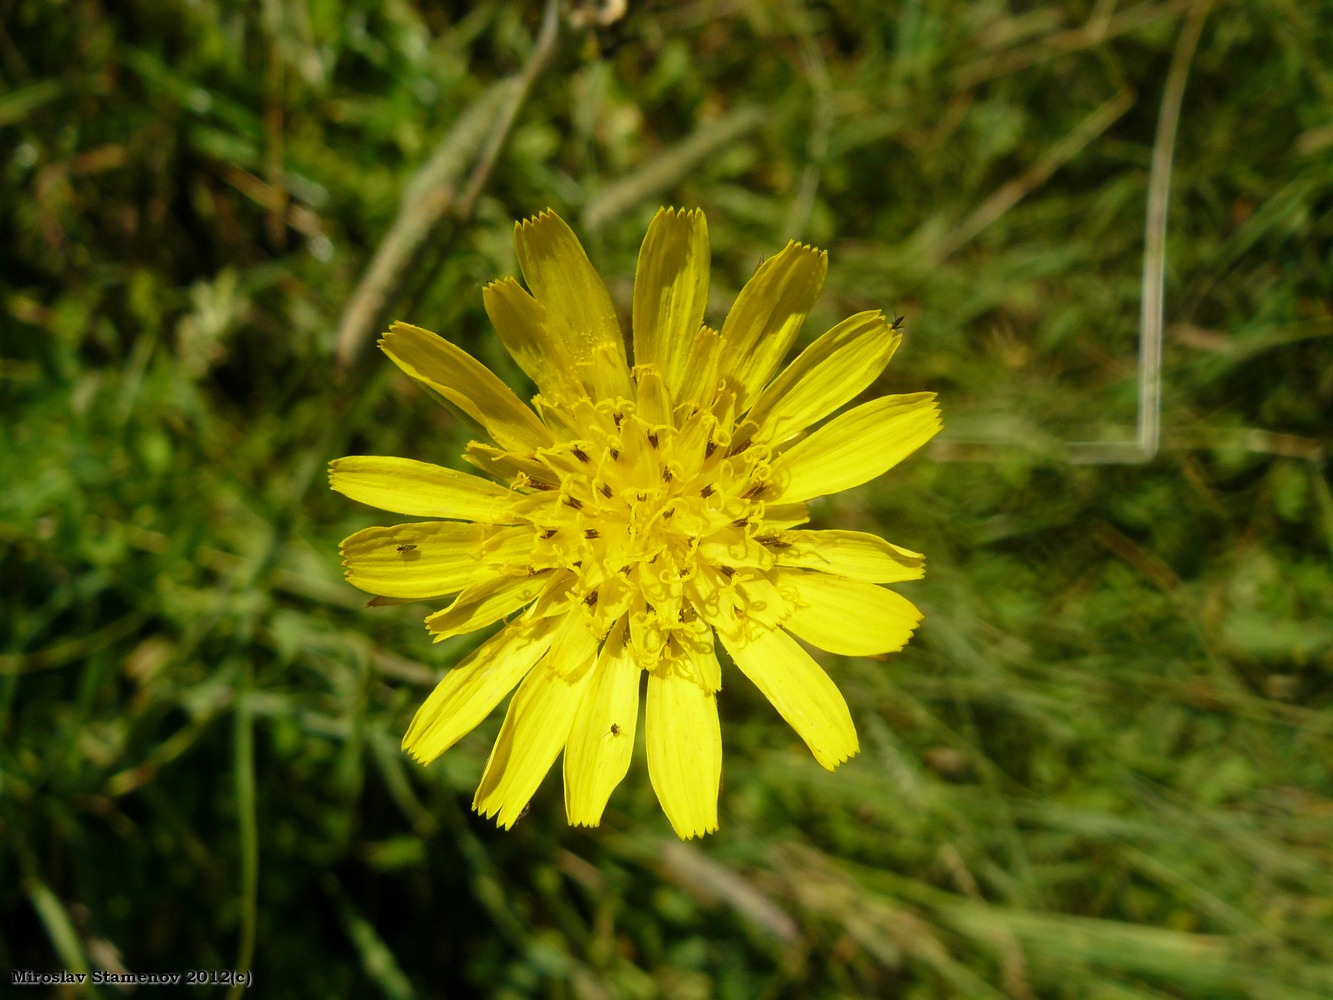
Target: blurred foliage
x=1101, y=770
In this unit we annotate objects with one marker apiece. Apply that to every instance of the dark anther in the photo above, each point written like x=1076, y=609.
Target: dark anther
x=548, y=533
x=652, y=439
x=666, y=475
x=615, y=454
x=537, y=484
x=774, y=542
x=605, y=489
x=754, y=491
x=581, y=455
x=740, y=522
x=592, y=533
x=709, y=448
x=574, y=502
x=591, y=600
x=707, y=491
x=666, y=514
x=618, y=417
x=649, y=608
x=727, y=571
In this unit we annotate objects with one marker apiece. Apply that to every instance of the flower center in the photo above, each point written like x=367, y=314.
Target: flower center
x=654, y=515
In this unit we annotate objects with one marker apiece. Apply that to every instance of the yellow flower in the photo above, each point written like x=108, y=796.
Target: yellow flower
x=646, y=510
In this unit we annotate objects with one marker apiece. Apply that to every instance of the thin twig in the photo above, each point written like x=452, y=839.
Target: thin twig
x=1154, y=254
x=1011, y=193
x=513, y=100
x=433, y=193
x=662, y=171
x=1148, y=424
x=1149, y=421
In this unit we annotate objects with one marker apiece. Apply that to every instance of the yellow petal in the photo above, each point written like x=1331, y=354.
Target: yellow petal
x=847, y=616
x=420, y=489
x=423, y=559
x=695, y=642
x=575, y=643
x=670, y=291
x=601, y=740
x=654, y=400
x=767, y=315
x=853, y=554
x=801, y=691
x=763, y=602
x=698, y=378
x=684, y=750
x=535, y=729
x=503, y=464
x=780, y=516
x=857, y=446
x=470, y=690
x=827, y=374
x=483, y=603
x=508, y=551
x=468, y=384
x=577, y=303
x=523, y=327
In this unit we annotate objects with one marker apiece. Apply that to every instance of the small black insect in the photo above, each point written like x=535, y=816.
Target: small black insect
x=897, y=324
x=615, y=729
x=407, y=548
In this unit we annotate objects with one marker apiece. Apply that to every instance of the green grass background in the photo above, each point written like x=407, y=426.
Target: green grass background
x=1101, y=770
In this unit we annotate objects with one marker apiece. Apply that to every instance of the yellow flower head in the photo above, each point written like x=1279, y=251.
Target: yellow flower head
x=645, y=510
